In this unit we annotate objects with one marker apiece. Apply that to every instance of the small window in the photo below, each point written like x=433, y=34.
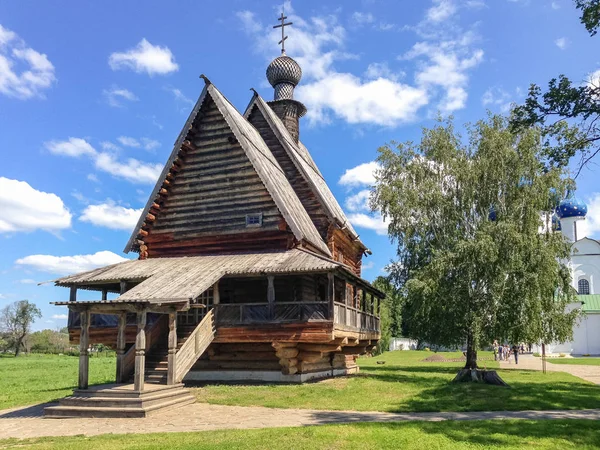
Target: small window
x=254, y=220
x=583, y=287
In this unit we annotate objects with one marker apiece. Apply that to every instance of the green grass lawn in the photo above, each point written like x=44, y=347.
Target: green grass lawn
x=31, y=379
x=500, y=434
x=406, y=383
x=576, y=361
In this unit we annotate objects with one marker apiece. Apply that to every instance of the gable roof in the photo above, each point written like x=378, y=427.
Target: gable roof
x=301, y=158
x=263, y=162
x=591, y=303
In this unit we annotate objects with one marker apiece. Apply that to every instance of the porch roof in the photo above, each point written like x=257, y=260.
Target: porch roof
x=169, y=280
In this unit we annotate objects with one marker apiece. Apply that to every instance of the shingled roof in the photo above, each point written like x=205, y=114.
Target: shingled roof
x=301, y=158
x=264, y=163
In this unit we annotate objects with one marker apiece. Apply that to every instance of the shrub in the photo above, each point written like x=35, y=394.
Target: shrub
x=427, y=349
x=561, y=355
x=537, y=355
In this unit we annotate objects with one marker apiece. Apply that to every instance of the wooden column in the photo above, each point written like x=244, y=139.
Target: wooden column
x=347, y=321
x=104, y=294
x=123, y=287
x=172, y=365
x=84, y=357
x=271, y=295
x=120, y=378
x=73, y=294
x=140, y=351
x=216, y=295
x=331, y=295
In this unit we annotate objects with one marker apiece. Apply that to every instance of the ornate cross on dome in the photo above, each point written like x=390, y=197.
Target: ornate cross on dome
x=282, y=25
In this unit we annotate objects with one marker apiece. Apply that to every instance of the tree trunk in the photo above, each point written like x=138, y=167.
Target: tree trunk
x=18, y=346
x=471, y=355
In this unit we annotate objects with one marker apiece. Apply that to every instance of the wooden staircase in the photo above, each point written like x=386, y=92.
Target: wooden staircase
x=121, y=400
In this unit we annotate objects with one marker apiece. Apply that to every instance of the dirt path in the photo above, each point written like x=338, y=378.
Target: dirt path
x=529, y=362
x=29, y=422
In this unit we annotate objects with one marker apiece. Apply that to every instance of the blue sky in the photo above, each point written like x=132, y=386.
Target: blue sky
x=93, y=95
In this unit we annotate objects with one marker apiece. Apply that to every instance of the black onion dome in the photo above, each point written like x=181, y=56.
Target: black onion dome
x=284, y=69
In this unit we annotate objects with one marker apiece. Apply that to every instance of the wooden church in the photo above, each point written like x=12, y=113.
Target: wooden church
x=248, y=269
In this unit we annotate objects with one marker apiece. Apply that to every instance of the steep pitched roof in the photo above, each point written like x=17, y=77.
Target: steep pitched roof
x=264, y=164
x=301, y=158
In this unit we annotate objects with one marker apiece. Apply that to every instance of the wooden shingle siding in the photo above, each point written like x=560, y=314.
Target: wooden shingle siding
x=211, y=194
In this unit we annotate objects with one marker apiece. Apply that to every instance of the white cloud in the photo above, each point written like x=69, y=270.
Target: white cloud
x=115, y=96
x=128, y=141
x=111, y=215
x=26, y=209
x=92, y=177
x=146, y=57
x=2, y=296
x=60, y=316
x=360, y=18
x=441, y=11
x=27, y=281
x=562, y=43
x=382, y=70
x=132, y=169
x=555, y=5
x=72, y=147
x=445, y=64
x=64, y=265
x=24, y=72
x=363, y=174
x=590, y=227
x=106, y=145
x=371, y=222
x=496, y=97
x=179, y=96
x=150, y=144
x=359, y=201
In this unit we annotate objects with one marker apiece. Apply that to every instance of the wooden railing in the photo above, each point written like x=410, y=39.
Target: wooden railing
x=153, y=336
x=354, y=318
x=195, y=345
x=282, y=312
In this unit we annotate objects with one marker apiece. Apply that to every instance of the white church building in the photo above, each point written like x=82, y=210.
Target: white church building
x=585, y=273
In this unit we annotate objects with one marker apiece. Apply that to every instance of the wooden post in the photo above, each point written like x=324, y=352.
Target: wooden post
x=140, y=351
x=331, y=295
x=104, y=294
x=123, y=287
x=172, y=364
x=120, y=378
x=216, y=300
x=271, y=295
x=347, y=322
x=84, y=356
x=73, y=294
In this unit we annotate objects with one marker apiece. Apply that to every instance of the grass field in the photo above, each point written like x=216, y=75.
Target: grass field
x=576, y=361
x=514, y=434
x=32, y=379
x=406, y=383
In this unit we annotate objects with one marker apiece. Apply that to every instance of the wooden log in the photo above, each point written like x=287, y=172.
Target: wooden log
x=163, y=191
x=288, y=362
x=143, y=233
x=155, y=206
x=289, y=370
x=311, y=356
x=305, y=367
x=287, y=352
x=339, y=341
x=284, y=344
x=324, y=348
x=237, y=365
x=229, y=348
x=245, y=356
x=353, y=350
x=150, y=217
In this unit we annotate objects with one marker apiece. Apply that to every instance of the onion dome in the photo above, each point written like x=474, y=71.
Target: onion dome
x=284, y=74
x=556, y=223
x=571, y=207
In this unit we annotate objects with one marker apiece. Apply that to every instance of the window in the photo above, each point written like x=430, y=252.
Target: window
x=254, y=220
x=583, y=287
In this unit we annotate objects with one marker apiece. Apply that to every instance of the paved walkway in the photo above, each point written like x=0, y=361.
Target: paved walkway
x=29, y=422
x=529, y=362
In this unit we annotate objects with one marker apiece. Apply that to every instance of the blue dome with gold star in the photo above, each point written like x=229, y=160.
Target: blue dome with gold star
x=571, y=206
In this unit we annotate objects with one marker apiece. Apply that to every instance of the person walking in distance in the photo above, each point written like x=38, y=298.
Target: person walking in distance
x=500, y=352
x=515, y=350
x=495, y=348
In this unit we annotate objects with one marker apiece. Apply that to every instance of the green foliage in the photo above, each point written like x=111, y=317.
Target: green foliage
x=467, y=278
x=390, y=313
x=15, y=322
x=49, y=341
x=590, y=14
